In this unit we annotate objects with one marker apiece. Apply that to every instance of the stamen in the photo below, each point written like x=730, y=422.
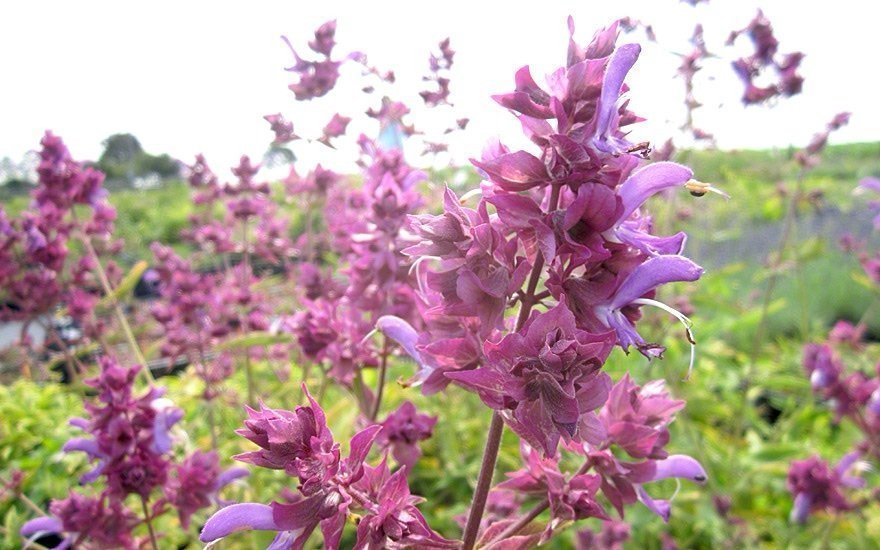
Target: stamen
x=683, y=319
x=368, y=336
x=469, y=194
x=677, y=489
x=419, y=260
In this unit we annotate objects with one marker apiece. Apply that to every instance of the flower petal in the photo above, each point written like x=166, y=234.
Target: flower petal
x=649, y=181
x=653, y=273
x=238, y=517
x=680, y=466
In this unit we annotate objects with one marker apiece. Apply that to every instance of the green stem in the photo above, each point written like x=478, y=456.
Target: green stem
x=149, y=523
x=108, y=292
x=380, y=384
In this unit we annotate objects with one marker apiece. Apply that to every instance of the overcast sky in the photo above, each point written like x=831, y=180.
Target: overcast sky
x=198, y=76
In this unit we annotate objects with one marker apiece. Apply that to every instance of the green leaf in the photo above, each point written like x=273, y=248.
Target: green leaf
x=126, y=286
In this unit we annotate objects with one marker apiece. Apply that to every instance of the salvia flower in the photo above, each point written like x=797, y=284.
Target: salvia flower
x=545, y=378
x=402, y=431
x=330, y=487
x=105, y=522
x=816, y=486
x=195, y=483
x=130, y=435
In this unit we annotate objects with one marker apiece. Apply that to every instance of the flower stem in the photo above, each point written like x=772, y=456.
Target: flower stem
x=380, y=385
x=247, y=276
x=522, y=522
x=496, y=427
x=108, y=291
x=149, y=523
x=484, y=482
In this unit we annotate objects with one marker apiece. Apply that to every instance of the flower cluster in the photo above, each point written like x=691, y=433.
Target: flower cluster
x=330, y=487
x=817, y=487
x=766, y=56
x=853, y=395
x=573, y=214
x=316, y=78
x=130, y=442
x=633, y=423
x=808, y=156
x=37, y=272
x=690, y=66
x=563, y=234
x=402, y=431
x=193, y=315
x=439, y=64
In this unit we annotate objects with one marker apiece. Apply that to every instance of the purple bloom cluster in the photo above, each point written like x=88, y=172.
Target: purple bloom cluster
x=282, y=128
x=37, y=271
x=817, y=487
x=402, y=431
x=766, y=56
x=440, y=65
x=316, y=78
x=572, y=212
x=330, y=487
x=808, y=156
x=852, y=395
x=193, y=314
x=131, y=443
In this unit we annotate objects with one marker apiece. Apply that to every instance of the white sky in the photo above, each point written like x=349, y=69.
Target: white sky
x=198, y=76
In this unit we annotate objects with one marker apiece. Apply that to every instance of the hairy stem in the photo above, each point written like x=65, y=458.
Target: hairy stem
x=484, y=481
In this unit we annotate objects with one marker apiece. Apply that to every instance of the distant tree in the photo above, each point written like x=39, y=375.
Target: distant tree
x=124, y=159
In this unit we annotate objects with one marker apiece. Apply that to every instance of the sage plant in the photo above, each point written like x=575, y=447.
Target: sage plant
x=561, y=233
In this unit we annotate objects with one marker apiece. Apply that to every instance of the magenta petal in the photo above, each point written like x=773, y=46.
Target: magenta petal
x=488, y=384
x=238, y=517
x=680, y=466
x=516, y=171
x=361, y=443
x=649, y=181
x=517, y=211
x=653, y=273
